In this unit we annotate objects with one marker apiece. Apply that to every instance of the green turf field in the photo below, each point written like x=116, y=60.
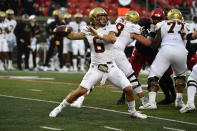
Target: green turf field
x=25, y=105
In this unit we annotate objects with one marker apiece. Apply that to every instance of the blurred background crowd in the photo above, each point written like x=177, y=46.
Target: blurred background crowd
x=46, y=7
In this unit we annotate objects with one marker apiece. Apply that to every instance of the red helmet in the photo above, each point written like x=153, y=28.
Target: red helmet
x=157, y=13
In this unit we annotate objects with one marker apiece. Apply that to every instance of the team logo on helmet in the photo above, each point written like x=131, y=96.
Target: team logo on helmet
x=174, y=14
x=132, y=16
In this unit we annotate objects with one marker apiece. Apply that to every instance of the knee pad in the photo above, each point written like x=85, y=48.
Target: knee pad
x=180, y=81
x=134, y=81
x=153, y=82
x=192, y=83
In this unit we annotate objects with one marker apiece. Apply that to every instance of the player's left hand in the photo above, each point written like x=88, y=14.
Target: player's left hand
x=91, y=31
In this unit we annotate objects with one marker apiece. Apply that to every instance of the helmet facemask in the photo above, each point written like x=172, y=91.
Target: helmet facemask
x=98, y=17
x=102, y=20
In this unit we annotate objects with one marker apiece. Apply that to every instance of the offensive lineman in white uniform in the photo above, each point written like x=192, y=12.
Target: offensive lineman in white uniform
x=11, y=38
x=102, y=63
x=124, y=28
x=78, y=46
x=4, y=30
x=172, y=52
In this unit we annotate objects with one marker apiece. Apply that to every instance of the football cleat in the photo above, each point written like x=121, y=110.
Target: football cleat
x=78, y=103
x=137, y=114
x=145, y=101
x=75, y=69
x=63, y=69
x=148, y=106
x=2, y=68
x=55, y=111
x=187, y=108
x=11, y=68
x=82, y=69
x=179, y=103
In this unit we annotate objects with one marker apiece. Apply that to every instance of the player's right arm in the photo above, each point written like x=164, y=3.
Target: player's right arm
x=190, y=36
x=76, y=36
x=155, y=43
x=145, y=41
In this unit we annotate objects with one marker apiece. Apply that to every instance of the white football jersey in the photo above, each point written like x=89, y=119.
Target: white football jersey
x=124, y=28
x=3, y=33
x=170, y=32
x=12, y=25
x=77, y=27
x=101, y=52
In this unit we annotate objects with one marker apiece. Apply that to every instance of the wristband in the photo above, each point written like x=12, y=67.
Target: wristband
x=100, y=35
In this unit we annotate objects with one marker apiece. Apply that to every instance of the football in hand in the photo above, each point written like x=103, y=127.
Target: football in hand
x=62, y=30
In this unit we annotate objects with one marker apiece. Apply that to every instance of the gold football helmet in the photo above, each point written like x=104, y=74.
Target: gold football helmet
x=9, y=12
x=78, y=15
x=174, y=14
x=132, y=16
x=67, y=16
x=2, y=14
x=55, y=13
x=96, y=12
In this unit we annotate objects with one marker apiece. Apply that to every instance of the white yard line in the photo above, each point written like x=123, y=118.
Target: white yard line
x=27, y=77
x=117, y=91
x=35, y=90
x=115, y=129
x=98, y=108
x=173, y=129
x=50, y=128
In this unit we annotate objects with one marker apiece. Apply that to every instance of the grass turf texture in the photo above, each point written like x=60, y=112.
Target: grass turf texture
x=30, y=115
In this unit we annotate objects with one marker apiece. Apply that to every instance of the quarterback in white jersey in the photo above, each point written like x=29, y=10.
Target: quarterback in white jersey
x=4, y=29
x=78, y=46
x=102, y=63
x=123, y=28
x=172, y=52
x=11, y=38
